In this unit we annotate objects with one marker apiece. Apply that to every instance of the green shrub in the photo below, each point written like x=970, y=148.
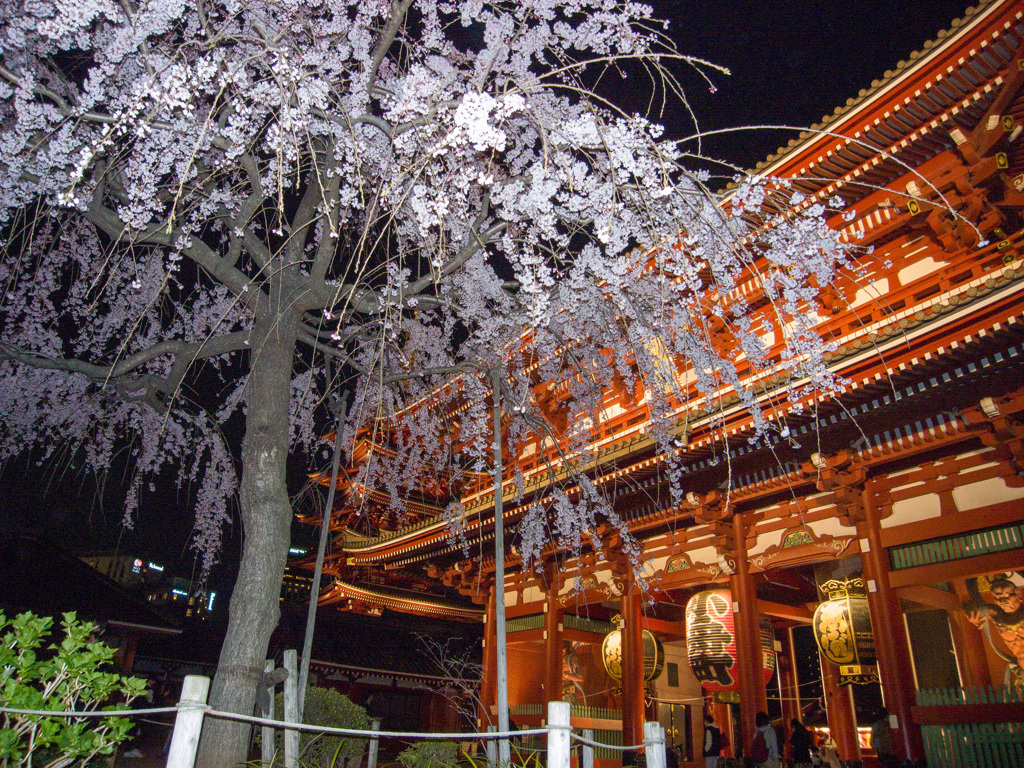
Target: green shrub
x=430, y=754
x=66, y=676
x=325, y=706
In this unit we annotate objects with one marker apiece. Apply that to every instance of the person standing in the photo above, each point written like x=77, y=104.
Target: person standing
x=800, y=742
x=712, y=742
x=828, y=751
x=765, y=747
x=882, y=742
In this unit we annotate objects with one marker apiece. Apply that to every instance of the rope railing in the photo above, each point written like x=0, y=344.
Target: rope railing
x=209, y=711
x=280, y=724
x=193, y=708
x=602, y=745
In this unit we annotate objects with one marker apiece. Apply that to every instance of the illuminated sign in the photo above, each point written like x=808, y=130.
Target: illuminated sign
x=711, y=641
x=154, y=567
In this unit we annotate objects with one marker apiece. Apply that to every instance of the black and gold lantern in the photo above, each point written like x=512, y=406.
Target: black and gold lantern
x=842, y=629
x=611, y=653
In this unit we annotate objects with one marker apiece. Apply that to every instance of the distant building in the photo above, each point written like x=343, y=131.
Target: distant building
x=40, y=576
x=129, y=570
x=182, y=598
x=153, y=582
x=295, y=585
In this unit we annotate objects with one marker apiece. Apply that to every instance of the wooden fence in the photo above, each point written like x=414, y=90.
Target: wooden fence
x=972, y=727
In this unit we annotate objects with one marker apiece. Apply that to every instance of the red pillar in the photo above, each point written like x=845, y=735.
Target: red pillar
x=488, y=675
x=723, y=719
x=894, y=665
x=632, y=667
x=749, y=662
x=842, y=724
x=552, y=644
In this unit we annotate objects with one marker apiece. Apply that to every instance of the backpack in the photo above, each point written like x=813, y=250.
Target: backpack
x=715, y=748
x=759, y=749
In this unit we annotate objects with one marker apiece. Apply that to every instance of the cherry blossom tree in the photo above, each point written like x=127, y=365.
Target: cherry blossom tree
x=203, y=202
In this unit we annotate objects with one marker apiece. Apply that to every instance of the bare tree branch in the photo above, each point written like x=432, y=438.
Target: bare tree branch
x=189, y=351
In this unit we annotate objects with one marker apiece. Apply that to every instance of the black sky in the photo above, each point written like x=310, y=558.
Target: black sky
x=791, y=61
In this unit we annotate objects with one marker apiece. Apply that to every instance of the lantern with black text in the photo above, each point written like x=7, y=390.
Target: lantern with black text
x=842, y=629
x=611, y=653
x=711, y=641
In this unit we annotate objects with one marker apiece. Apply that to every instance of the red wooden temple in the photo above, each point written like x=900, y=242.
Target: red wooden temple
x=911, y=481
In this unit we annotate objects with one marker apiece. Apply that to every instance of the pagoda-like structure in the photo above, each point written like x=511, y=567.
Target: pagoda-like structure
x=902, y=498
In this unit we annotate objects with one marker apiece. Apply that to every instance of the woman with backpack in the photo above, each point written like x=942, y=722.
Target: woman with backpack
x=712, y=742
x=765, y=747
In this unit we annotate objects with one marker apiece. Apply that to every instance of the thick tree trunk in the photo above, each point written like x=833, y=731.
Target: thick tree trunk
x=266, y=520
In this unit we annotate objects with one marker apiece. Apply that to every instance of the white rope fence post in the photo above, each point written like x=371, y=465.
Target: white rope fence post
x=588, y=751
x=291, y=708
x=492, y=748
x=371, y=757
x=559, y=734
x=188, y=723
x=654, y=745
x=266, y=732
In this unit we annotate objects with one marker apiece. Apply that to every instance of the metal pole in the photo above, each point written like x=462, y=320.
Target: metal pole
x=188, y=723
x=338, y=406
x=504, y=751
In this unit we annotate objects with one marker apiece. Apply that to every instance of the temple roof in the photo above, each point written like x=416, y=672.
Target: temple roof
x=926, y=331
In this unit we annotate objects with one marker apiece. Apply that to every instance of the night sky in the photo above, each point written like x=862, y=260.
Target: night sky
x=791, y=63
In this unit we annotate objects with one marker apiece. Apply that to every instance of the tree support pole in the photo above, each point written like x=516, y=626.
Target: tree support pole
x=314, y=589
x=553, y=642
x=750, y=660
x=504, y=751
x=489, y=673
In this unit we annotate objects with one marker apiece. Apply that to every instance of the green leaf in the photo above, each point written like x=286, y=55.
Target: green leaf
x=79, y=680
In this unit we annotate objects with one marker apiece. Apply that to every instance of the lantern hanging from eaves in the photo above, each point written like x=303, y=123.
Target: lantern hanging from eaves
x=611, y=652
x=711, y=641
x=842, y=629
